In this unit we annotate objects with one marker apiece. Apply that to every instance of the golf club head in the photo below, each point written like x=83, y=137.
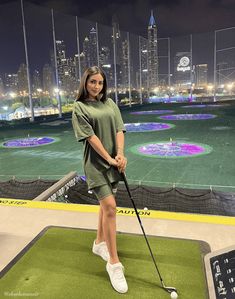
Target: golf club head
x=170, y=289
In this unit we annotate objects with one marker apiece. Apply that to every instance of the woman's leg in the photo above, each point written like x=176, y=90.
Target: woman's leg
x=100, y=234
x=108, y=206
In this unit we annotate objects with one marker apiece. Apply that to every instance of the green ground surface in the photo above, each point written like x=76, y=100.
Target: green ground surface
x=61, y=265
x=55, y=160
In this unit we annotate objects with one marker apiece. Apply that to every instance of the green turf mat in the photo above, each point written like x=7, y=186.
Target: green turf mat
x=59, y=264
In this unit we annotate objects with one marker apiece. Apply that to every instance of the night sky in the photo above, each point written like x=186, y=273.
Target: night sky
x=173, y=17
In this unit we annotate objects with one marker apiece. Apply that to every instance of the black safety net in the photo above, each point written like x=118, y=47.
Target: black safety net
x=200, y=201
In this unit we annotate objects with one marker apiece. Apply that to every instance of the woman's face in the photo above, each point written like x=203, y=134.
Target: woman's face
x=94, y=85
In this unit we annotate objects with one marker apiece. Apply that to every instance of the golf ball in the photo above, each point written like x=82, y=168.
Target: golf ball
x=145, y=208
x=174, y=295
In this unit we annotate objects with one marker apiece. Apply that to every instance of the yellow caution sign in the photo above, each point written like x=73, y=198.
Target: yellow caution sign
x=120, y=211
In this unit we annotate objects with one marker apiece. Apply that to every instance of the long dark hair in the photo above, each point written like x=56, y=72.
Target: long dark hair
x=82, y=91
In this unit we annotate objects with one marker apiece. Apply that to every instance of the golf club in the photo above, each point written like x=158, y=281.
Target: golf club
x=168, y=289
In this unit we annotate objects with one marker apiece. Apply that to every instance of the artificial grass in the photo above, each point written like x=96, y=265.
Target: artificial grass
x=60, y=265
x=55, y=160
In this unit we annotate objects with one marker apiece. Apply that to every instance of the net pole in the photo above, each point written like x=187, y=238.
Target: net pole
x=215, y=66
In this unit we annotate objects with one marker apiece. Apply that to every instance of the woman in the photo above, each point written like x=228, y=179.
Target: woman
x=98, y=123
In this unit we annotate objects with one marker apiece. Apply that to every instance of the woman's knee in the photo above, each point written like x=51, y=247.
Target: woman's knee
x=108, y=207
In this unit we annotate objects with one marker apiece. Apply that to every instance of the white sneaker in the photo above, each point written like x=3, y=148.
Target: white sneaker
x=101, y=249
x=117, y=278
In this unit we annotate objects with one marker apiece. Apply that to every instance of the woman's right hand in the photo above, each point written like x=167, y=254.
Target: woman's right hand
x=112, y=162
x=122, y=162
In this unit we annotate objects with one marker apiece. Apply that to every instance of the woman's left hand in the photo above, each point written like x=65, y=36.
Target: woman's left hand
x=121, y=162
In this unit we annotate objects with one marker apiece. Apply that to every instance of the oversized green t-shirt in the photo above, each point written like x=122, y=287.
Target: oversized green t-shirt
x=104, y=120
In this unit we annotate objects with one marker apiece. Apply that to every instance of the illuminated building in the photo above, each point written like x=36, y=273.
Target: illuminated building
x=152, y=53
x=90, y=49
x=47, y=78
x=201, y=75
x=1, y=87
x=66, y=69
x=11, y=82
x=106, y=65
x=36, y=81
x=82, y=62
x=116, y=38
x=93, y=47
x=144, y=63
x=182, y=69
x=61, y=62
x=124, y=65
x=86, y=53
x=223, y=71
x=22, y=79
x=104, y=56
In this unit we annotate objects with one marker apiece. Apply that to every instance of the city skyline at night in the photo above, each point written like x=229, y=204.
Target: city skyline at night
x=132, y=63
x=68, y=67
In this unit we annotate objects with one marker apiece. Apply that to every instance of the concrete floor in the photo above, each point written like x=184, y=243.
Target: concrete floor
x=19, y=225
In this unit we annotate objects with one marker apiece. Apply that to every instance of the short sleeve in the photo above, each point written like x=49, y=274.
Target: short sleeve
x=81, y=126
x=118, y=117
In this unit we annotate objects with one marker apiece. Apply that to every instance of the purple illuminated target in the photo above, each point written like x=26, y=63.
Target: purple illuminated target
x=143, y=127
x=151, y=112
x=28, y=142
x=187, y=116
x=172, y=149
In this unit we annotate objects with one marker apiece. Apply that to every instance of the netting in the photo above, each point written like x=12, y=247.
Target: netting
x=199, y=201
x=28, y=189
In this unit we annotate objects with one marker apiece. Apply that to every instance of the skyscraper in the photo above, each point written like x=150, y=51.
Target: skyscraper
x=36, y=81
x=86, y=53
x=117, y=43
x=152, y=53
x=182, y=69
x=106, y=65
x=104, y=55
x=70, y=82
x=22, y=79
x=11, y=82
x=144, y=62
x=1, y=87
x=223, y=71
x=61, y=62
x=93, y=47
x=124, y=65
x=117, y=39
x=83, y=62
x=47, y=78
x=90, y=44
x=201, y=75
x=66, y=68
x=76, y=69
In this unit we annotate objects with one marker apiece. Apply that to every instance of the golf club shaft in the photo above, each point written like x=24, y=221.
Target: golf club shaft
x=142, y=228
